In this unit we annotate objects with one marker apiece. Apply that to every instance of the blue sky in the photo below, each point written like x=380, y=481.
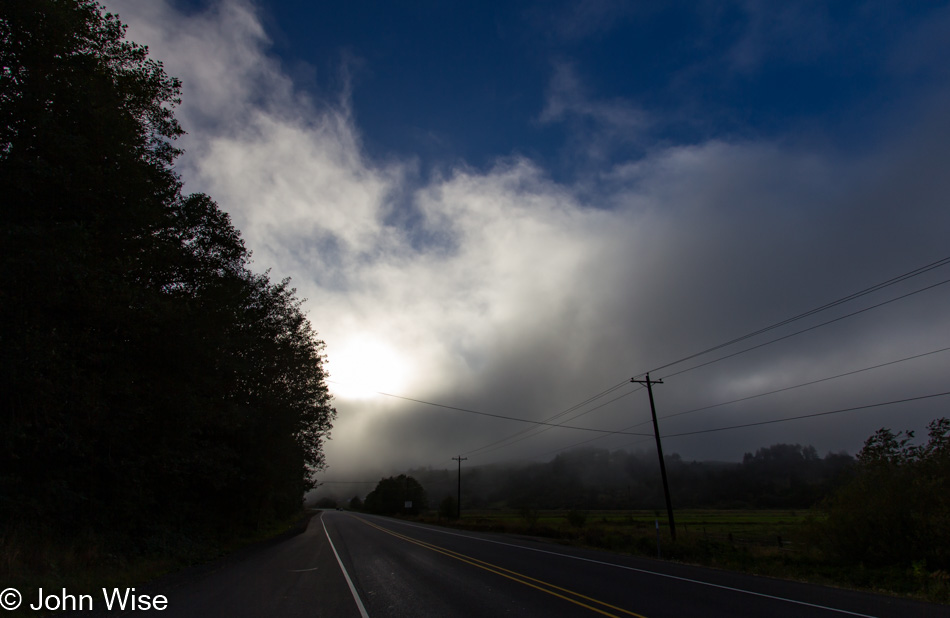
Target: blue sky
x=510, y=208
x=454, y=81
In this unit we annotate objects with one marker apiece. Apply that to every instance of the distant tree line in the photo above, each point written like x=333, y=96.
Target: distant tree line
x=889, y=507
x=778, y=476
x=151, y=384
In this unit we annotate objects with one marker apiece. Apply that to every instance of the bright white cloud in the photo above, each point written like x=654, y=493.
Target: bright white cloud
x=522, y=297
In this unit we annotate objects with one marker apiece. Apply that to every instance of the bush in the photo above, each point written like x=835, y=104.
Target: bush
x=448, y=508
x=529, y=515
x=896, y=508
x=577, y=518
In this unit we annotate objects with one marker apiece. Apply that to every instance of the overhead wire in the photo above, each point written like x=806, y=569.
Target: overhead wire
x=540, y=430
x=583, y=442
x=501, y=416
x=810, y=328
x=879, y=286
x=778, y=420
x=505, y=442
x=551, y=418
x=795, y=418
x=483, y=450
x=809, y=383
x=763, y=394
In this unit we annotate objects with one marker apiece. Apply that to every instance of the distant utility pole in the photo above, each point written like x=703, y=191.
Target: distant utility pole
x=460, y=459
x=659, y=450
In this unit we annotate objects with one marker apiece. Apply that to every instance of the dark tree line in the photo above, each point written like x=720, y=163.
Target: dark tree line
x=779, y=476
x=149, y=381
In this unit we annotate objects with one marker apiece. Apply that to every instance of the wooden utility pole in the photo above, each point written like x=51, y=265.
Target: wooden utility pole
x=458, y=514
x=659, y=451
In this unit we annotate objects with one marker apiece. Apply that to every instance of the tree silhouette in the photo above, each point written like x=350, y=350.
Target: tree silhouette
x=391, y=495
x=150, y=380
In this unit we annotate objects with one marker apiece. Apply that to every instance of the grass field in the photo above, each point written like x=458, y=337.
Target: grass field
x=750, y=527
x=775, y=543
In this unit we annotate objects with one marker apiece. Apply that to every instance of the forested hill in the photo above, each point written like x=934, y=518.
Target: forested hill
x=779, y=476
x=153, y=387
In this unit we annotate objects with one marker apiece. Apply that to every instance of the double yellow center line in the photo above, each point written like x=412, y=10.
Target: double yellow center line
x=562, y=593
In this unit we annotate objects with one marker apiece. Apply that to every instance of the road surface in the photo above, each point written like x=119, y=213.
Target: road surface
x=404, y=569
x=354, y=565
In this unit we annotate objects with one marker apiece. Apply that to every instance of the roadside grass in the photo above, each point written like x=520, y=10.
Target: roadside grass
x=31, y=559
x=779, y=543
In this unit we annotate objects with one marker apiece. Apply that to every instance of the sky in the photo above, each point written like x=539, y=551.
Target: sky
x=510, y=208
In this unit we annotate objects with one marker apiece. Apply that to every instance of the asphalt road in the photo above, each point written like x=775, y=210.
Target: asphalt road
x=294, y=577
x=403, y=569
x=351, y=565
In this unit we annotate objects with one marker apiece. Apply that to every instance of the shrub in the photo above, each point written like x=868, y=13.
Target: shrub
x=896, y=508
x=577, y=518
x=529, y=515
x=448, y=508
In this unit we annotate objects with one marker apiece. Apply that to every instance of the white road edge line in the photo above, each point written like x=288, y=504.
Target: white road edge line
x=620, y=566
x=349, y=582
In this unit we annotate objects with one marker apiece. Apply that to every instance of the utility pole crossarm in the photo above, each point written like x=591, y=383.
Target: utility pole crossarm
x=659, y=450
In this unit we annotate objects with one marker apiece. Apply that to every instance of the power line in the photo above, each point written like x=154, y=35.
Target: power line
x=772, y=392
x=546, y=428
x=770, y=422
x=879, y=286
x=603, y=393
x=541, y=430
x=618, y=432
x=788, y=388
x=804, y=330
x=913, y=273
x=551, y=418
x=502, y=416
x=795, y=418
x=615, y=432
x=548, y=425
x=624, y=431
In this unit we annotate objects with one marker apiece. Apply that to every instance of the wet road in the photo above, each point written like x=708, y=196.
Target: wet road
x=352, y=565
x=403, y=569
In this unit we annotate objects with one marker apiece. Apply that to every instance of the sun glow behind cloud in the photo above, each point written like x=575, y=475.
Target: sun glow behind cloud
x=506, y=291
x=363, y=366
